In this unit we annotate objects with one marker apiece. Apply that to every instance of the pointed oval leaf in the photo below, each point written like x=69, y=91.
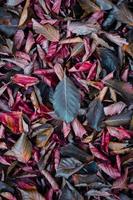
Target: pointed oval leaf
x=22, y=149
x=68, y=166
x=69, y=192
x=66, y=100
x=47, y=30
x=31, y=194
x=95, y=114
x=123, y=118
x=109, y=60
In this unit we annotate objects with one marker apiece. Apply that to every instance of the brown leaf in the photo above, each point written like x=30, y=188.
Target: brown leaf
x=124, y=89
x=118, y=147
x=71, y=40
x=128, y=48
x=31, y=195
x=47, y=30
x=24, y=13
x=43, y=137
x=88, y=6
x=22, y=149
x=78, y=48
x=13, y=120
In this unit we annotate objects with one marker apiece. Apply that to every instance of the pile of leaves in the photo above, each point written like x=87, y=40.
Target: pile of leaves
x=66, y=99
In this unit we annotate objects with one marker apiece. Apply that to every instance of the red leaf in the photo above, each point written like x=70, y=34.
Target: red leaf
x=80, y=67
x=115, y=108
x=66, y=129
x=56, y=6
x=118, y=162
x=24, y=80
x=79, y=130
x=105, y=141
x=119, y=133
x=47, y=30
x=29, y=42
x=121, y=183
x=18, y=39
x=97, y=153
x=13, y=120
x=51, y=50
x=109, y=170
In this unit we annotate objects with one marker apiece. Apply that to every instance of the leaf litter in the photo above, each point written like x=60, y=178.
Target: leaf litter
x=66, y=99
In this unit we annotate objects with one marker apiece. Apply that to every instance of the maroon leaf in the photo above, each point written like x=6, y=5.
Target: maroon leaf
x=47, y=30
x=121, y=183
x=97, y=153
x=24, y=80
x=79, y=130
x=13, y=120
x=119, y=133
x=80, y=67
x=56, y=6
x=109, y=170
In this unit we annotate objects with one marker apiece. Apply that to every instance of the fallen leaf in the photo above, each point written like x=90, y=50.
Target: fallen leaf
x=65, y=96
x=67, y=167
x=109, y=170
x=47, y=30
x=95, y=114
x=24, y=80
x=24, y=13
x=80, y=28
x=88, y=6
x=13, y=120
x=22, y=149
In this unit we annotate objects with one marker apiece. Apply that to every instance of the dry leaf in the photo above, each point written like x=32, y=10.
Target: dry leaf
x=24, y=13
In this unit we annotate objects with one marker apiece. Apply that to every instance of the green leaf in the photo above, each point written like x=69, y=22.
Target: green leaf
x=66, y=100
